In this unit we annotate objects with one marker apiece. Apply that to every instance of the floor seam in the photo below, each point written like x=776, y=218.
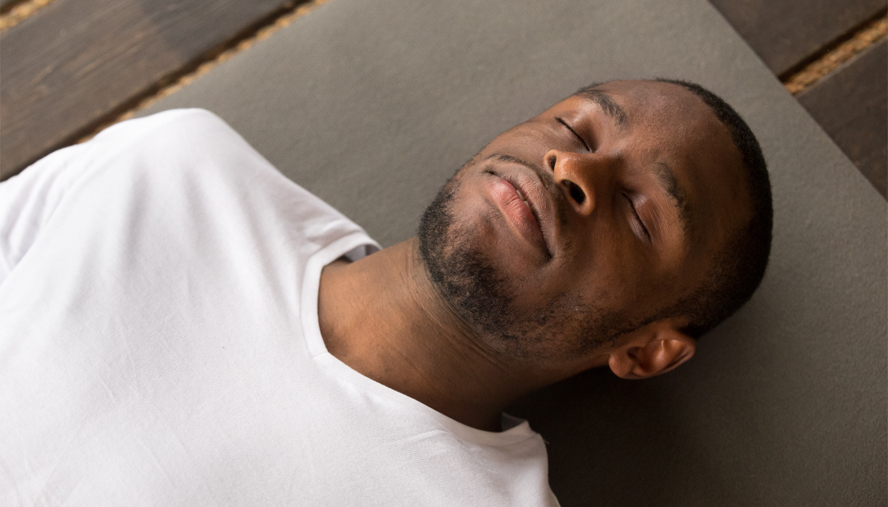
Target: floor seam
x=870, y=34
x=204, y=65
x=21, y=11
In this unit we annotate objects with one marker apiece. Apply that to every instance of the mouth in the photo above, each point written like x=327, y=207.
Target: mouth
x=518, y=201
x=527, y=203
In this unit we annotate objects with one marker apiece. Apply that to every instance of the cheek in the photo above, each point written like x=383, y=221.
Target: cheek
x=605, y=274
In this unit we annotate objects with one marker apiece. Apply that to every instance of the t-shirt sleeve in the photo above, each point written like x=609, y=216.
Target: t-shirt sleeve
x=28, y=200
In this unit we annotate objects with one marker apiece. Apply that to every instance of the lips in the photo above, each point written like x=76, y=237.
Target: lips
x=517, y=205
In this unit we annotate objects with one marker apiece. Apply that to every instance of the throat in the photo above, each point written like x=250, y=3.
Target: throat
x=382, y=318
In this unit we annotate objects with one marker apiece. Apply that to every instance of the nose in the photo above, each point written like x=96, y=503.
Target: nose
x=581, y=176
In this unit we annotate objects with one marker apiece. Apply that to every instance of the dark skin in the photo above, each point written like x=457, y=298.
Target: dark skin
x=629, y=198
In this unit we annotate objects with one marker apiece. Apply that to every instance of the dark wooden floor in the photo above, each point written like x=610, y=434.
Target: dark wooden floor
x=72, y=66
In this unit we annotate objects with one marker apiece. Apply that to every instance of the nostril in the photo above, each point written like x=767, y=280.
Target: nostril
x=551, y=162
x=576, y=193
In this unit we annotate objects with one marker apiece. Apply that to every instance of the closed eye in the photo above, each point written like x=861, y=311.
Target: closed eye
x=637, y=217
x=574, y=132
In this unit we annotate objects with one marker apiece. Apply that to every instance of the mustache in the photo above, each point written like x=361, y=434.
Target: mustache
x=546, y=177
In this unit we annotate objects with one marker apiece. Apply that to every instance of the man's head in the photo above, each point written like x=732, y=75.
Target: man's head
x=647, y=221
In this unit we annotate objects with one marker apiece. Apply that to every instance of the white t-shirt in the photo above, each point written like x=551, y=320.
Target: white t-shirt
x=159, y=343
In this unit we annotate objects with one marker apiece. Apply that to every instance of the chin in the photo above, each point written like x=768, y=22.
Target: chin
x=486, y=298
x=493, y=290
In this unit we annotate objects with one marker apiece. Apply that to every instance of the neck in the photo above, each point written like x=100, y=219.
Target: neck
x=383, y=317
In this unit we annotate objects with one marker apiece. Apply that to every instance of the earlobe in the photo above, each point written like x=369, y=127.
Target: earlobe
x=654, y=349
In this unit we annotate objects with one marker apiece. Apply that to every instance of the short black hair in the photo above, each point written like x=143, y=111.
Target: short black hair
x=740, y=265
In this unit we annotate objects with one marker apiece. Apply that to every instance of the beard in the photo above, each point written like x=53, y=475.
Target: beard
x=562, y=326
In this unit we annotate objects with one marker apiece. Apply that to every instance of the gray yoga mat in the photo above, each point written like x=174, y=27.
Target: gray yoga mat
x=372, y=105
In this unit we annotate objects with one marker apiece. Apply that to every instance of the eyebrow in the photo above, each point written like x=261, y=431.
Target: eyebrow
x=607, y=104
x=676, y=193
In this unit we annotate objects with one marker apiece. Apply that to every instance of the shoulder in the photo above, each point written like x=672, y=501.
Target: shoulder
x=178, y=145
x=183, y=152
x=189, y=134
x=171, y=124
x=193, y=156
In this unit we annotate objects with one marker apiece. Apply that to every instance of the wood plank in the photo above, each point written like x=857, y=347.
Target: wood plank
x=6, y=3
x=76, y=62
x=851, y=105
x=787, y=32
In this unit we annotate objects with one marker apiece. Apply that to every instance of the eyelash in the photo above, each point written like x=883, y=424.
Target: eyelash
x=637, y=217
x=574, y=132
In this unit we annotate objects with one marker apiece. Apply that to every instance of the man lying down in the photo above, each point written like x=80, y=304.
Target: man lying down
x=182, y=325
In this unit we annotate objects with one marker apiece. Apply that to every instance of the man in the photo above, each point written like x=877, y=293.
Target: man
x=182, y=325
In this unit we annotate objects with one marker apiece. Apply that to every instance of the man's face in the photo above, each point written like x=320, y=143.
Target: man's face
x=574, y=227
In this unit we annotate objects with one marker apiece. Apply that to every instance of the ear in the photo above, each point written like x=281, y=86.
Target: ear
x=651, y=350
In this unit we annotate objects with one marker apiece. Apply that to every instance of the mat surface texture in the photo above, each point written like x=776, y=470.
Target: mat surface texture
x=374, y=107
